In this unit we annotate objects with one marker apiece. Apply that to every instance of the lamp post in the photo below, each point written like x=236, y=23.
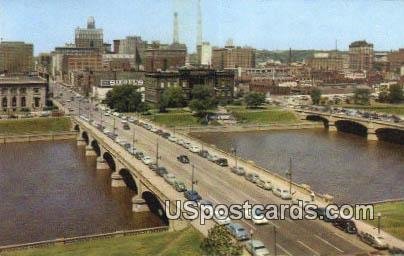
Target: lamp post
x=157, y=152
x=379, y=216
x=234, y=151
x=289, y=174
x=192, y=178
x=114, y=125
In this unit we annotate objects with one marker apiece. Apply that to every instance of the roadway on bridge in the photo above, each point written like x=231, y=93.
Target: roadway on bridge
x=219, y=185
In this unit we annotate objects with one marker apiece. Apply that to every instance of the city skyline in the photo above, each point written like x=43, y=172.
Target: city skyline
x=275, y=25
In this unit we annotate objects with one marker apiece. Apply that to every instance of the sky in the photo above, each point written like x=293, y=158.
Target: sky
x=263, y=24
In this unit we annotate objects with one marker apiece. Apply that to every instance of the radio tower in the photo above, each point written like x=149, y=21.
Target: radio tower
x=176, y=39
x=199, y=25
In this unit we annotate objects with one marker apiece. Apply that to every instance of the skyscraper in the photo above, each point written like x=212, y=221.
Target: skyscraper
x=89, y=37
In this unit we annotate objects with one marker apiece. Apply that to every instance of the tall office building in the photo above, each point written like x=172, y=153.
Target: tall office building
x=16, y=57
x=89, y=37
x=204, y=53
x=233, y=57
x=361, y=56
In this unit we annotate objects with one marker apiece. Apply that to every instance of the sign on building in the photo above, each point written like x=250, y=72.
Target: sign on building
x=112, y=83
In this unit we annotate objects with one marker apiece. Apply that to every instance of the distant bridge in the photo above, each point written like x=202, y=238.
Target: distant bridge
x=372, y=129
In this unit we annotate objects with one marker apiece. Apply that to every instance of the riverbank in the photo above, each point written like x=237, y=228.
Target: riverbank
x=35, y=125
x=185, y=242
x=392, y=218
x=396, y=109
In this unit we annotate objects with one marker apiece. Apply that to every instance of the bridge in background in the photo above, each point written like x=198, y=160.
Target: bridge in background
x=372, y=129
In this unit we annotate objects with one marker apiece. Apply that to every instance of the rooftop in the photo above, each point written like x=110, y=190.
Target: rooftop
x=361, y=43
x=21, y=80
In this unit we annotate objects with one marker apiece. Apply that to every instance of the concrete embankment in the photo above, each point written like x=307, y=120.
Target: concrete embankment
x=4, y=138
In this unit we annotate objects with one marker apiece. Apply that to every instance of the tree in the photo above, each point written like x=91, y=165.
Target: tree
x=315, y=95
x=172, y=97
x=220, y=243
x=383, y=96
x=396, y=93
x=361, y=96
x=203, y=100
x=125, y=98
x=254, y=99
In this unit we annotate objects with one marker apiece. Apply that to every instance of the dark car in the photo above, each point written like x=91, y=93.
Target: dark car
x=321, y=214
x=203, y=153
x=159, y=132
x=165, y=135
x=126, y=126
x=222, y=162
x=139, y=155
x=346, y=225
x=192, y=195
x=153, y=167
x=183, y=159
x=161, y=171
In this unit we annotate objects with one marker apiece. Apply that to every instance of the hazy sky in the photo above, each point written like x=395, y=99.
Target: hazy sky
x=262, y=24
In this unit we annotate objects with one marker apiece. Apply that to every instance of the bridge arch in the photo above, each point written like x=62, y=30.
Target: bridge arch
x=155, y=206
x=110, y=161
x=85, y=137
x=390, y=135
x=129, y=180
x=77, y=128
x=351, y=127
x=96, y=147
x=318, y=118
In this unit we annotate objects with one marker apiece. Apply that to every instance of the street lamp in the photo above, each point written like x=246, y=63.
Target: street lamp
x=379, y=216
x=192, y=178
x=289, y=174
x=234, y=151
x=157, y=152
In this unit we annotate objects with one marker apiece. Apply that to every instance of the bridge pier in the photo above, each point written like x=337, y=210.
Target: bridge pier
x=101, y=164
x=332, y=127
x=117, y=180
x=139, y=204
x=90, y=151
x=372, y=136
x=81, y=142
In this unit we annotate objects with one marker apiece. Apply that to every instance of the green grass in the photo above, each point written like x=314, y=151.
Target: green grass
x=392, y=218
x=175, y=119
x=185, y=242
x=264, y=116
x=34, y=125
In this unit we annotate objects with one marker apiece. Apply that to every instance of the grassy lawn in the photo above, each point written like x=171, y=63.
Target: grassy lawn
x=174, y=119
x=185, y=242
x=34, y=125
x=264, y=116
x=392, y=218
x=397, y=109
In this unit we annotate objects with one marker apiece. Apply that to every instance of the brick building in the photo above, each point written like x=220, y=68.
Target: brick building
x=16, y=57
x=332, y=61
x=165, y=57
x=233, y=57
x=361, y=56
x=396, y=60
x=89, y=37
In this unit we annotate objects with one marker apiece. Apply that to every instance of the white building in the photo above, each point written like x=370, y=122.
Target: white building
x=204, y=54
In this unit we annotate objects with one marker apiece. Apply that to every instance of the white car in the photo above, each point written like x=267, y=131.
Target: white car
x=257, y=218
x=172, y=138
x=194, y=149
x=131, y=119
x=124, y=117
x=154, y=129
x=169, y=178
x=180, y=142
x=256, y=248
x=115, y=114
x=282, y=193
x=106, y=114
x=220, y=218
x=147, y=160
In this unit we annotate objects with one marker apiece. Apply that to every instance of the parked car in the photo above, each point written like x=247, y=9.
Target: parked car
x=220, y=218
x=179, y=186
x=147, y=160
x=126, y=126
x=238, y=231
x=165, y=135
x=282, y=193
x=256, y=248
x=139, y=155
x=377, y=242
x=194, y=149
x=252, y=177
x=212, y=158
x=172, y=138
x=345, y=225
x=161, y=171
x=239, y=170
x=257, y=217
x=222, y=162
x=183, y=159
x=264, y=184
x=203, y=153
x=153, y=167
x=169, y=178
x=192, y=195
x=321, y=214
x=186, y=145
x=131, y=120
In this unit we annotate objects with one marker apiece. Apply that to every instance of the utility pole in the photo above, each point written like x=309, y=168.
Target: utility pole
x=114, y=125
x=235, y=155
x=289, y=174
x=134, y=136
x=101, y=119
x=192, y=178
x=157, y=152
x=275, y=249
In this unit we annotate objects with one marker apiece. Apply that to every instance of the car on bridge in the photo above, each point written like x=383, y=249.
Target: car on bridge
x=192, y=195
x=126, y=126
x=172, y=138
x=161, y=171
x=179, y=186
x=377, y=242
x=153, y=167
x=252, y=177
x=256, y=248
x=203, y=153
x=195, y=149
x=264, y=184
x=222, y=162
x=183, y=159
x=147, y=160
x=239, y=170
x=169, y=178
x=139, y=155
x=212, y=158
x=282, y=193
x=345, y=225
x=238, y=231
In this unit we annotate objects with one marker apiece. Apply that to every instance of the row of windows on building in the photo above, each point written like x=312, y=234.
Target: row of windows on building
x=21, y=90
x=23, y=103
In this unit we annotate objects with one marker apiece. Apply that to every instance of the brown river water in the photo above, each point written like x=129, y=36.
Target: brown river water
x=346, y=166
x=51, y=190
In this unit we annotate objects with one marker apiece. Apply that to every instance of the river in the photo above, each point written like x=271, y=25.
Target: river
x=346, y=166
x=51, y=190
